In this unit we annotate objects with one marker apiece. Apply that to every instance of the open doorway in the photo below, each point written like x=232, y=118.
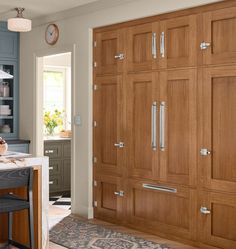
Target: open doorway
x=57, y=132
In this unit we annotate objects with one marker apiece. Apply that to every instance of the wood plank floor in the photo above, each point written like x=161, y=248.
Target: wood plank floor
x=175, y=245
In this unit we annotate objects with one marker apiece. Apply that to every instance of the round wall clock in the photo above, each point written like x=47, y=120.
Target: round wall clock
x=51, y=34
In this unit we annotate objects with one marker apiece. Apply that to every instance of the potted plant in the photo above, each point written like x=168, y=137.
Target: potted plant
x=52, y=120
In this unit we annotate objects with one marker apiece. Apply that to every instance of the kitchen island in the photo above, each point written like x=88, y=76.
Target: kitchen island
x=40, y=200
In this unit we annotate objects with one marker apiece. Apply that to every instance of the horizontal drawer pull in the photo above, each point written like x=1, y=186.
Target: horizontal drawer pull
x=49, y=151
x=160, y=188
x=50, y=168
x=51, y=182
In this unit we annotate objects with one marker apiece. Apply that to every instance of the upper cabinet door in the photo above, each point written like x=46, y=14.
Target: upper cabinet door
x=219, y=37
x=142, y=47
x=8, y=45
x=217, y=133
x=178, y=42
x=178, y=126
x=108, y=120
x=142, y=125
x=109, y=52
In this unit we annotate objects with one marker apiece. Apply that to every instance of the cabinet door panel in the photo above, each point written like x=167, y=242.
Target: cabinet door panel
x=108, y=45
x=219, y=31
x=160, y=211
x=179, y=41
x=107, y=131
x=142, y=44
x=217, y=126
x=178, y=157
x=108, y=204
x=218, y=227
x=8, y=45
x=142, y=92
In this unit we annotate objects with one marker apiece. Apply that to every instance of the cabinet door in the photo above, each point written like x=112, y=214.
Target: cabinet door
x=167, y=209
x=219, y=31
x=108, y=120
x=217, y=91
x=178, y=42
x=178, y=118
x=108, y=48
x=217, y=221
x=108, y=199
x=142, y=125
x=142, y=44
x=8, y=45
x=67, y=174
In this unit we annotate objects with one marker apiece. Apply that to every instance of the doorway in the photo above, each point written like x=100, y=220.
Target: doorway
x=55, y=134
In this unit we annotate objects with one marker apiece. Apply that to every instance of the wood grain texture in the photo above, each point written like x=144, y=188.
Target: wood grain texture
x=180, y=42
x=178, y=160
x=142, y=91
x=20, y=219
x=219, y=29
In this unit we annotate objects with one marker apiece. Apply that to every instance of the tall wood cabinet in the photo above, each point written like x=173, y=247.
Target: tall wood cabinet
x=164, y=125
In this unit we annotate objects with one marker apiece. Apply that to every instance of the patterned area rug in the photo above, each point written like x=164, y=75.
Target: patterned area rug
x=74, y=233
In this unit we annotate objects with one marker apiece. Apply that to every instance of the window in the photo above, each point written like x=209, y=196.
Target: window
x=57, y=93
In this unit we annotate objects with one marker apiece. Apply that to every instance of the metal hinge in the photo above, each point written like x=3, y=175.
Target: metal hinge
x=95, y=183
x=95, y=124
x=95, y=64
x=95, y=87
x=95, y=44
x=95, y=203
x=95, y=159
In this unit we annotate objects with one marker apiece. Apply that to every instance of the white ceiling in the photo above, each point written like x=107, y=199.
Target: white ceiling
x=37, y=8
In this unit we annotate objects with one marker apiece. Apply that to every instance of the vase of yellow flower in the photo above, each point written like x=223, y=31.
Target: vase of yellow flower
x=52, y=120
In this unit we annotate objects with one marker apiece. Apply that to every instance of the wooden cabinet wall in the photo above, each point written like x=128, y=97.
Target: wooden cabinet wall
x=164, y=125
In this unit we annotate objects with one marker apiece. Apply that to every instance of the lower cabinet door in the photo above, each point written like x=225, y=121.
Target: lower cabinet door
x=217, y=216
x=108, y=197
x=162, y=209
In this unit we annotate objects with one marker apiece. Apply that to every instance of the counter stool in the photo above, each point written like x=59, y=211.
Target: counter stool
x=9, y=203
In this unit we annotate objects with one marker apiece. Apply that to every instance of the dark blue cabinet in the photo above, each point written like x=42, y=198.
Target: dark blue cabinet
x=9, y=120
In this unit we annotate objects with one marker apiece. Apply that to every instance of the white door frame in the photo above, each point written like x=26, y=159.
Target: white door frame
x=38, y=105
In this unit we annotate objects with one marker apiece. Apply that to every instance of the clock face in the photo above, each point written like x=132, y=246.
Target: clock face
x=51, y=34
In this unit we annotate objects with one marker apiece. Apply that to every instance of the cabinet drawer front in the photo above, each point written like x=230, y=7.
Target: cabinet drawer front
x=164, y=208
x=55, y=183
x=55, y=167
x=53, y=150
x=217, y=217
x=67, y=150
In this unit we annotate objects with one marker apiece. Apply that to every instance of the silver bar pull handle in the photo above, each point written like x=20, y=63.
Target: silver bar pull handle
x=162, y=126
x=160, y=188
x=119, y=145
x=154, y=45
x=51, y=182
x=154, y=125
x=162, y=44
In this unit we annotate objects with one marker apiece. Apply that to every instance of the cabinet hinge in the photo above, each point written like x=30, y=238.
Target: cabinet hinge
x=95, y=44
x=95, y=64
x=95, y=183
x=95, y=87
x=95, y=203
x=95, y=159
x=95, y=124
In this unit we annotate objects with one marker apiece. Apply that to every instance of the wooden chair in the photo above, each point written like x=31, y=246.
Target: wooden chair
x=9, y=203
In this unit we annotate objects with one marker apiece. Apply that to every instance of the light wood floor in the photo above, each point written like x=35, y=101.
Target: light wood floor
x=57, y=212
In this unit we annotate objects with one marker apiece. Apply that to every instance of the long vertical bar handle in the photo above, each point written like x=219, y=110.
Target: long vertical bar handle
x=162, y=44
x=162, y=126
x=154, y=125
x=154, y=45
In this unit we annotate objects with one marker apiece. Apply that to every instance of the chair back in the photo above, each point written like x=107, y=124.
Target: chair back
x=16, y=178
